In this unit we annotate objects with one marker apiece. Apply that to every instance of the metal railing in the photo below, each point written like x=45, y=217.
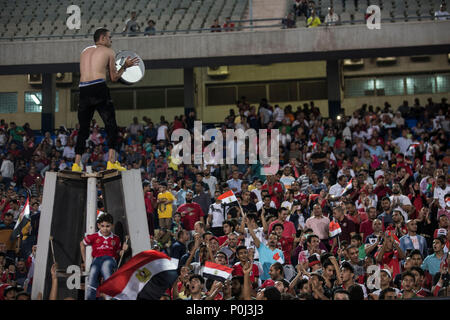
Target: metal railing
x=237, y=28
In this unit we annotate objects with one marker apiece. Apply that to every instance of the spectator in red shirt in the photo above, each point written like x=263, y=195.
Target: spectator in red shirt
x=228, y=25
x=285, y=244
x=150, y=204
x=288, y=227
x=381, y=190
x=191, y=212
x=31, y=177
x=228, y=227
x=365, y=228
x=242, y=255
x=390, y=254
x=275, y=190
x=105, y=248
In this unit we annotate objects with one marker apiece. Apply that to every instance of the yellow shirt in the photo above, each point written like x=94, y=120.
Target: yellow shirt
x=165, y=210
x=313, y=23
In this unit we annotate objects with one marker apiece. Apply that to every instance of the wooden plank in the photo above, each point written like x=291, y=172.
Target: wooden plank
x=135, y=211
x=40, y=267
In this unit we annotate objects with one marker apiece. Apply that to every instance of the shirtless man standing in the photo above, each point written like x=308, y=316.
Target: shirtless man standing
x=94, y=95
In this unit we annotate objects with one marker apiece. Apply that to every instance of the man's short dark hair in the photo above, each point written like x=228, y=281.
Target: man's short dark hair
x=278, y=266
x=105, y=217
x=277, y=225
x=190, y=245
x=414, y=252
x=309, y=238
x=348, y=266
x=197, y=276
x=99, y=32
x=206, y=233
x=384, y=291
x=357, y=237
x=272, y=293
x=441, y=239
x=252, y=216
x=180, y=233
x=356, y=292
x=240, y=248
x=302, y=283
x=386, y=198
x=419, y=270
x=408, y=273
x=230, y=223
x=342, y=291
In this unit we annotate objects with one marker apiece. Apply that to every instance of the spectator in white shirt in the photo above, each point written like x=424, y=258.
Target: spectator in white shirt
x=442, y=14
x=440, y=191
x=7, y=170
x=337, y=189
x=69, y=150
x=235, y=183
x=403, y=142
x=278, y=116
x=331, y=18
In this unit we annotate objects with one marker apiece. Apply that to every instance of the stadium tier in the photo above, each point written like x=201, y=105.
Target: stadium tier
x=48, y=18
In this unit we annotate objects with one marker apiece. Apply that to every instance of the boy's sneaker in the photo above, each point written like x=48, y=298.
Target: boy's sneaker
x=115, y=166
x=76, y=167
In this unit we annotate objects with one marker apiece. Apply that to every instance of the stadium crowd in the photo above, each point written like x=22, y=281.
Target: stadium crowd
x=381, y=174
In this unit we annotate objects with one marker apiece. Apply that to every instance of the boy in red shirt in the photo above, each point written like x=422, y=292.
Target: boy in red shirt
x=242, y=254
x=105, y=249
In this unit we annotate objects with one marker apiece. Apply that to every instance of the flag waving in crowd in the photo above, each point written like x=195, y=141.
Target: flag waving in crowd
x=216, y=271
x=334, y=229
x=146, y=276
x=227, y=197
x=24, y=217
x=347, y=188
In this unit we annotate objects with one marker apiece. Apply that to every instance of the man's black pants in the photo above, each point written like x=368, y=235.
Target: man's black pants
x=96, y=97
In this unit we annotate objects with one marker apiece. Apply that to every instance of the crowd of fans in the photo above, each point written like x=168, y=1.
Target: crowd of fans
x=314, y=17
x=381, y=174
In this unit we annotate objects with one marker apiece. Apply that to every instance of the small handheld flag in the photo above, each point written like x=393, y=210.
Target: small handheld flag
x=347, y=188
x=24, y=217
x=216, y=271
x=227, y=197
x=334, y=229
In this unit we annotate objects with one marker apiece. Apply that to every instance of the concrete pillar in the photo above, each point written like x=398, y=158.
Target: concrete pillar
x=333, y=88
x=48, y=102
x=189, y=90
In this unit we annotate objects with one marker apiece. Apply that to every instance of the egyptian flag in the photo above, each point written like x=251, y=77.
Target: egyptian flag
x=334, y=229
x=146, y=276
x=412, y=148
x=228, y=197
x=347, y=188
x=216, y=271
x=278, y=258
x=24, y=217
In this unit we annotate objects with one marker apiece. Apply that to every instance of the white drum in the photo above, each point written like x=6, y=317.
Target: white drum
x=132, y=74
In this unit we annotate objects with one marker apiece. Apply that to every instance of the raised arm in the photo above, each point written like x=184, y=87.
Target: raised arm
x=263, y=220
x=255, y=238
x=116, y=74
x=247, y=290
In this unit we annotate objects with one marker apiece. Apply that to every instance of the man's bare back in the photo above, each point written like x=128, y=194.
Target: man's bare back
x=94, y=62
